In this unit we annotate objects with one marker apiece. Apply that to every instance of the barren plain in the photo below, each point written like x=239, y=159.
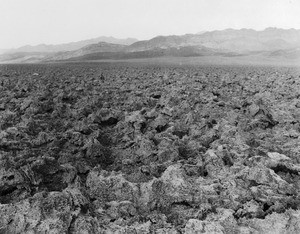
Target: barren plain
x=137, y=148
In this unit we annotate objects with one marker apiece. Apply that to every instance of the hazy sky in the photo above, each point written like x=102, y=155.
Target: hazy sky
x=56, y=21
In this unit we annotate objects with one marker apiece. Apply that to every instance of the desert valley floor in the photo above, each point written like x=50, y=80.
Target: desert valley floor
x=137, y=148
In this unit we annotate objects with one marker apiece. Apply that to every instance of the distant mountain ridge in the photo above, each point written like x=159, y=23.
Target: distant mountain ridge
x=269, y=43
x=100, y=47
x=71, y=46
x=229, y=40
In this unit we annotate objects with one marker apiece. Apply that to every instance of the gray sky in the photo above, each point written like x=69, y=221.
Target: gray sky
x=57, y=21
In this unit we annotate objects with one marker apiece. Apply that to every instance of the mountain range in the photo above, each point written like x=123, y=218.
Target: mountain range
x=43, y=48
x=269, y=43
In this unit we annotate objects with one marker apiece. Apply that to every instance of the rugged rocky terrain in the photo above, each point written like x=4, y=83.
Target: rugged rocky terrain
x=130, y=148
